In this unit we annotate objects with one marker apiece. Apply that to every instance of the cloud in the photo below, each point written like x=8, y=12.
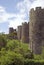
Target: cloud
x=14, y=23
x=14, y=19
x=23, y=7
x=21, y=16
x=38, y=3
x=4, y=16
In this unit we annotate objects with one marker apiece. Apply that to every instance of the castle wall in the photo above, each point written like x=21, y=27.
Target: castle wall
x=11, y=30
x=19, y=32
x=12, y=33
x=36, y=27
x=42, y=30
x=25, y=33
x=15, y=34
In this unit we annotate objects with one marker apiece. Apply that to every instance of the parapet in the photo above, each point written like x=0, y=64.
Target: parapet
x=24, y=23
x=38, y=8
x=25, y=32
x=11, y=28
x=32, y=10
x=19, y=26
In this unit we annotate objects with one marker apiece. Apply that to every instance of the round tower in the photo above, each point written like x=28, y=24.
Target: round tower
x=19, y=32
x=25, y=32
x=35, y=29
x=11, y=30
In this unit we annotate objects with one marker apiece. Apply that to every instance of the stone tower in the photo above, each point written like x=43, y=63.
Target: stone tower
x=12, y=33
x=11, y=30
x=36, y=30
x=19, y=32
x=25, y=32
x=15, y=34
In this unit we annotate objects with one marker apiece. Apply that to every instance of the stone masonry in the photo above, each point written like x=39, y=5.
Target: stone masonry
x=36, y=30
x=12, y=33
x=25, y=32
x=19, y=32
x=11, y=30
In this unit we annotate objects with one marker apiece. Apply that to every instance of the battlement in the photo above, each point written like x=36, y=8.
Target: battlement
x=36, y=9
x=24, y=23
x=25, y=32
x=19, y=26
x=32, y=10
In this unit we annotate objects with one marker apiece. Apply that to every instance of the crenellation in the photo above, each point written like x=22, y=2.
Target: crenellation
x=32, y=10
x=38, y=8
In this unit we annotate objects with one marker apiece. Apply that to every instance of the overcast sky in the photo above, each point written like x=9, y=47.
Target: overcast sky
x=14, y=12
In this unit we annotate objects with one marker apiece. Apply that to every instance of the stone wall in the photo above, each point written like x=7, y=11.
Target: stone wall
x=25, y=32
x=12, y=33
x=11, y=30
x=19, y=32
x=36, y=30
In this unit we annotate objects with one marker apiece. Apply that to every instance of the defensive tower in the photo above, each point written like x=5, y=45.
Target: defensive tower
x=11, y=30
x=36, y=30
x=25, y=32
x=19, y=32
x=12, y=33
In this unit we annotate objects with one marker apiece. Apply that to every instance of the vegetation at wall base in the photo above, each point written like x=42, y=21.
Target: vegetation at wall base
x=13, y=52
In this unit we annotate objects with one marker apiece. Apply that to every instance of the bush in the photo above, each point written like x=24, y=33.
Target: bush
x=28, y=62
x=3, y=41
x=11, y=44
x=17, y=53
x=33, y=62
x=11, y=58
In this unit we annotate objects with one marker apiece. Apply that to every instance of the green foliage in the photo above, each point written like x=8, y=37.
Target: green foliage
x=17, y=53
x=29, y=55
x=11, y=44
x=33, y=62
x=29, y=62
x=12, y=35
x=37, y=57
x=3, y=40
x=3, y=51
x=42, y=55
x=12, y=58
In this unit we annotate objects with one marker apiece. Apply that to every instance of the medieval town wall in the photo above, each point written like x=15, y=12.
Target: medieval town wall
x=36, y=26
x=19, y=32
x=25, y=32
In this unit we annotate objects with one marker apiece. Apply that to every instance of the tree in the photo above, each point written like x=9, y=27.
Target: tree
x=3, y=41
